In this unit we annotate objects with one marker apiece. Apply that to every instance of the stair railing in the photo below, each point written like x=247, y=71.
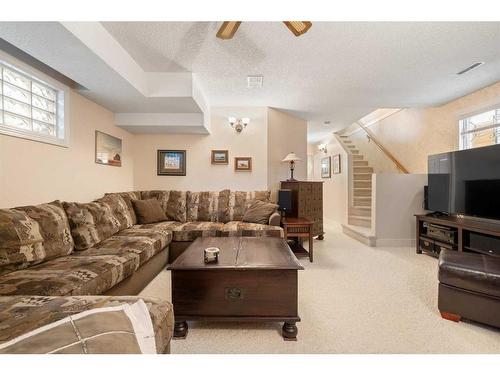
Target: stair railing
x=371, y=137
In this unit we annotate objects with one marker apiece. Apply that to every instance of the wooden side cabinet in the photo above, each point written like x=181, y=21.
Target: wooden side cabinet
x=307, y=202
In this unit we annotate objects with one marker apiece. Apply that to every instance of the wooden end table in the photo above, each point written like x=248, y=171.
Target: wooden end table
x=299, y=228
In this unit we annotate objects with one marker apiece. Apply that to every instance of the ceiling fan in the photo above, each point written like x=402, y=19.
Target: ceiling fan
x=228, y=28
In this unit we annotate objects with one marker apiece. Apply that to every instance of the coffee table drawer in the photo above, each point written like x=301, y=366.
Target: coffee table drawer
x=235, y=293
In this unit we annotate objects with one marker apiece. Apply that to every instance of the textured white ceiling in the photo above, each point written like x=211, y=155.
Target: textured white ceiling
x=338, y=71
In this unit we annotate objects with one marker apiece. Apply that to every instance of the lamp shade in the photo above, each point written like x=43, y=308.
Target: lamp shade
x=291, y=157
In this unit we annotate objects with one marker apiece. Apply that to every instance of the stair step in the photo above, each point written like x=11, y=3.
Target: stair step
x=361, y=234
x=354, y=152
x=362, y=192
x=360, y=211
x=344, y=136
x=362, y=184
x=363, y=169
x=362, y=176
x=350, y=146
x=360, y=221
x=357, y=157
x=346, y=141
x=360, y=163
x=362, y=201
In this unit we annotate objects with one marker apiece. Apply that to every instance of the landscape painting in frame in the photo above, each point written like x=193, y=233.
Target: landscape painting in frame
x=220, y=157
x=336, y=164
x=108, y=149
x=243, y=164
x=326, y=171
x=171, y=162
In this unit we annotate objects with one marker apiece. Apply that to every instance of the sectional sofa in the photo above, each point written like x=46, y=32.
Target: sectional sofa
x=57, y=258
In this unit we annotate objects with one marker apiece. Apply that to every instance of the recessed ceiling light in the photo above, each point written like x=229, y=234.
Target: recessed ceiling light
x=255, y=81
x=469, y=68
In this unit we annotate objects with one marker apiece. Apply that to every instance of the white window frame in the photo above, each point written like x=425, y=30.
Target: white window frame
x=62, y=105
x=462, y=144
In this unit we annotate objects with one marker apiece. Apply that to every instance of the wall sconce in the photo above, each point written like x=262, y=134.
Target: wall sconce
x=322, y=148
x=238, y=124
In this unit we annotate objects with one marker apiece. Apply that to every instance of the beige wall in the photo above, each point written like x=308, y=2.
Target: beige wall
x=270, y=135
x=286, y=134
x=396, y=198
x=33, y=172
x=335, y=189
x=201, y=174
x=413, y=134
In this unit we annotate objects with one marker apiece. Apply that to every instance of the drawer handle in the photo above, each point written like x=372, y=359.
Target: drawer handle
x=233, y=294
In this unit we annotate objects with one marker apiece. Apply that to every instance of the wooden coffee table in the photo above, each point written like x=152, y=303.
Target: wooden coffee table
x=254, y=280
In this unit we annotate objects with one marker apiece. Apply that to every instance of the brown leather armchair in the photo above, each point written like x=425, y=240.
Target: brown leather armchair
x=469, y=287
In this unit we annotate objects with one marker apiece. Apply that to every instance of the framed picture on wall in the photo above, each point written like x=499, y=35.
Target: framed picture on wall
x=336, y=164
x=326, y=170
x=243, y=164
x=220, y=157
x=171, y=163
x=108, y=149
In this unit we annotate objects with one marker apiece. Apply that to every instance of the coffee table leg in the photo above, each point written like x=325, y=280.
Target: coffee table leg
x=180, y=329
x=289, y=331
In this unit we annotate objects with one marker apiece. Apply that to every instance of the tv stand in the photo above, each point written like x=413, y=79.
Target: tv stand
x=438, y=214
x=471, y=235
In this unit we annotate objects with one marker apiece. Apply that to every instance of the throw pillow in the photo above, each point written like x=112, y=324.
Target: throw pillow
x=259, y=212
x=148, y=211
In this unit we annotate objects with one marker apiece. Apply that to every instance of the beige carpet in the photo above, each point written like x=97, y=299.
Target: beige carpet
x=352, y=299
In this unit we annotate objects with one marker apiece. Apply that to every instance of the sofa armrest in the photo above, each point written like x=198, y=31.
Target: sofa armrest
x=275, y=219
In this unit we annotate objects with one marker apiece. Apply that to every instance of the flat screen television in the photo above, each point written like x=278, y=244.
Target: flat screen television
x=466, y=182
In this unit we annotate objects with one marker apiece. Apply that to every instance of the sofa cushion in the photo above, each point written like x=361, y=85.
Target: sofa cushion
x=148, y=211
x=242, y=229
x=142, y=243
x=192, y=230
x=162, y=226
x=93, y=222
x=128, y=196
x=22, y=314
x=239, y=201
x=207, y=205
x=70, y=275
x=259, y=212
x=473, y=272
x=32, y=234
x=172, y=201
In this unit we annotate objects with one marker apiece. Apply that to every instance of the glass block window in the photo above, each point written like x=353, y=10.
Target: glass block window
x=28, y=106
x=480, y=130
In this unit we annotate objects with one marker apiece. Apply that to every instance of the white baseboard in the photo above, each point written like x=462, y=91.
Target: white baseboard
x=395, y=242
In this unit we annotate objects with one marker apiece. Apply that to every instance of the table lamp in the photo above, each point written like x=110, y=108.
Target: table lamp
x=292, y=158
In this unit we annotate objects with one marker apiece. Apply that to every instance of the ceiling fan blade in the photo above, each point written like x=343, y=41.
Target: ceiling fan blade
x=298, y=27
x=228, y=29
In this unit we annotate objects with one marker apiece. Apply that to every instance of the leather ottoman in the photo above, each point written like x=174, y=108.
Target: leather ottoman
x=469, y=287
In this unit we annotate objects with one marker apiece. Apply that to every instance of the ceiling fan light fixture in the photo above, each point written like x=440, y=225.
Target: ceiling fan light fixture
x=228, y=29
x=298, y=27
x=469, y=68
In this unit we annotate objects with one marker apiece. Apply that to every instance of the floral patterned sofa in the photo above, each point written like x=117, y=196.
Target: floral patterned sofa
x=51, y=252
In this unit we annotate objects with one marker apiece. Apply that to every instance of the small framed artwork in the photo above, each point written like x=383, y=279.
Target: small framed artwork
x=243, y=164
x=171, y=163
x=326, y=170
x=108, y=149
x=336, y=164
x=220, y=157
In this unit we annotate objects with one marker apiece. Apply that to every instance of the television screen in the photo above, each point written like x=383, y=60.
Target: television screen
x=466, y=182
